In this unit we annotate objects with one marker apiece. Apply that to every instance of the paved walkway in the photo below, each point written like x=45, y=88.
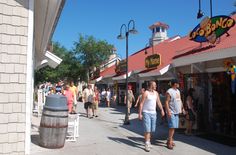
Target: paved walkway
x=106, y=135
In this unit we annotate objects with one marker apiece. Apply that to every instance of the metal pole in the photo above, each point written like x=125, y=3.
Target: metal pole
x=211, y=7
x=126, y=122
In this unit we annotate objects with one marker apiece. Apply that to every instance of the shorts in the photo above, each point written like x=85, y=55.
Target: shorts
x=87, y=105
x=95, y=105
x=129, y=104
x=149, y=122
x=173, y=121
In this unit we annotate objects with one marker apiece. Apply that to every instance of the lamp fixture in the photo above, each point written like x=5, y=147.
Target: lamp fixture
x=200, y=14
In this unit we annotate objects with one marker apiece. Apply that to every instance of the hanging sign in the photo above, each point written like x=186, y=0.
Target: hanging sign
x=121, y=67
x=152, y=61
x=211, y=28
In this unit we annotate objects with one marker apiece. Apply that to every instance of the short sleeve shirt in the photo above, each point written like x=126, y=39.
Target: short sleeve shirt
x=175, y=101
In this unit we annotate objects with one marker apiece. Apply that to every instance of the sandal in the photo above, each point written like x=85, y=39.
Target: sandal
x=170, y=145
x=173, y=144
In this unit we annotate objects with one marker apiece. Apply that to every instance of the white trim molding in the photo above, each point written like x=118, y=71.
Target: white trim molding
x=29, y=77
x=215, y=69
x=156, y=72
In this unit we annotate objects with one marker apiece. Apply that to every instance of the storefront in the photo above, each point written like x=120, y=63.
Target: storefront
x=203, y=67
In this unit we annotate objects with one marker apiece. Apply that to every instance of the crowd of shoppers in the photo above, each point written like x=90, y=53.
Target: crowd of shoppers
x=149, y=103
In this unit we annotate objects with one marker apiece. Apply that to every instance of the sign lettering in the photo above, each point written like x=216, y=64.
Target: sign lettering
x=211, y=28
x=152, y=61
x=121, y=67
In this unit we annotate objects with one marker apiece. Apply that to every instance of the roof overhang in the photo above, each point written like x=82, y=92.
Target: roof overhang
x=122, y=77
x=156, y=72
x=96, y=80
x=204, y=56
x=46, y=15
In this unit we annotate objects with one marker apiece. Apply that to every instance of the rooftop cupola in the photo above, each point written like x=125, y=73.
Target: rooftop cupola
x=159, y=33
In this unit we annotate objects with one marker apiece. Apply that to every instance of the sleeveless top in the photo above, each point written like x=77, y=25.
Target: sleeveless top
x=149, y=105
x=175, y=101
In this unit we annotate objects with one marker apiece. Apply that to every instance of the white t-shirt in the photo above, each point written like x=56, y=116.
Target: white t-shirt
x=175, y=101
x=108, y=95
x=88, y=95
x=149, y=105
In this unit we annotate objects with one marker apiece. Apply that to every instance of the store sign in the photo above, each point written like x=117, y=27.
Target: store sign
x=152, y=61
x=121, y=67
x=211, y=28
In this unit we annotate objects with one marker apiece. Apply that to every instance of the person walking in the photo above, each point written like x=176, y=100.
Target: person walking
x=74, y=90
x=191, y=114
x=103, y=96
x=147, y=112
x=96, y=101
x=88, y=99
x=108, y=97
x=69, y=95
x=163, y=100
x=130, y=98
x=139, y=99
x=174, y=107
x=59, y=88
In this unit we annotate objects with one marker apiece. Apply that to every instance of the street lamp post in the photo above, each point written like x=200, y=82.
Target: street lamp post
x=211, y=7
x=120, y=36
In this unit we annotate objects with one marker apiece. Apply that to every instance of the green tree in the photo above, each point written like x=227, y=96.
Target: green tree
x=69, y=69
x=91, y=53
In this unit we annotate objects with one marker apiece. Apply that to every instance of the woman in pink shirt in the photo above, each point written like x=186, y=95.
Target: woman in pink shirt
x=70, y=97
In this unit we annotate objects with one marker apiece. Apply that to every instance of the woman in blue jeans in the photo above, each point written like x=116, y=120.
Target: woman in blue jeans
x=147, y=112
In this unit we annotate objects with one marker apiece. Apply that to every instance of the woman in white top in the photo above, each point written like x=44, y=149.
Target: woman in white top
x=108, y=97
x=147, y=112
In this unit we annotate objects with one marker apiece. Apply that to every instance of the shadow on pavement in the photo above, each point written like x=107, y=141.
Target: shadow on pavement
x=129, y=142
x=159, y=138
x=135, y=126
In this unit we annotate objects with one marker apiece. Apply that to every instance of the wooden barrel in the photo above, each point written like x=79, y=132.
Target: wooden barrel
x=54, y=122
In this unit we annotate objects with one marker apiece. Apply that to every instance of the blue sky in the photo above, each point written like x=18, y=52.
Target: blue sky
x=103, y=18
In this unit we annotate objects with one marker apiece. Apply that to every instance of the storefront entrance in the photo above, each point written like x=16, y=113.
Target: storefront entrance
x=222, y=105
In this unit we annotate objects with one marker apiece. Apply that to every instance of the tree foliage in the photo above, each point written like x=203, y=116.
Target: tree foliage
x=87, y=54
x=70, y=68
x=92, y=52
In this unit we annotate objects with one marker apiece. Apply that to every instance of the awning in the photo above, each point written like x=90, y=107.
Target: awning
x=204, y=56
x=156, y=72
x=122, y=77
